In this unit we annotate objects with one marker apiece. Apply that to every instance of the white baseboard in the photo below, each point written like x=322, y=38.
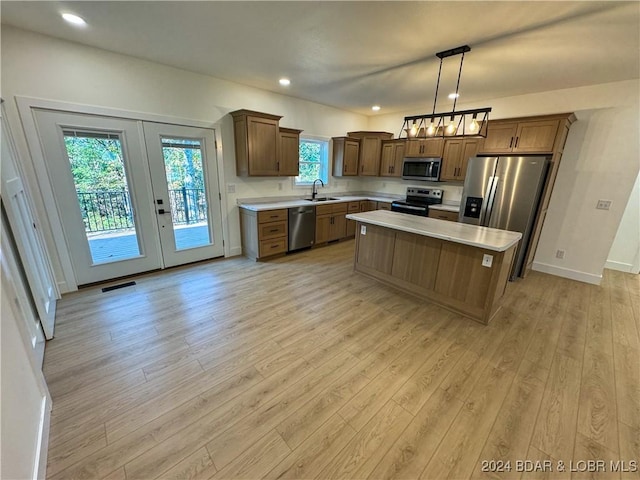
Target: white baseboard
x=235, y=251
x=619, y=266
x=42, y=449
x=567, y=273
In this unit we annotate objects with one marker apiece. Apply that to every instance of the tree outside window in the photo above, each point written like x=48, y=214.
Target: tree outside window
x=314, y=161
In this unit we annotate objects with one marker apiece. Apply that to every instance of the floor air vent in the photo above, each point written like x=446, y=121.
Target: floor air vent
x=115, y=287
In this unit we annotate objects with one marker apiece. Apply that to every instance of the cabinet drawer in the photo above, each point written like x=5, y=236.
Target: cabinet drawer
x=273, y=247
x=272, y=215
x=272, y=230
x=384, y=206
x=353, y=207
x=443, y=215
x=324, y=210
x=339, y=208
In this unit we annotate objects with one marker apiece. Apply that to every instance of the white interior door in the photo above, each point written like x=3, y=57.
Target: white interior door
x=182, y=162
x=29, y=243
x=100, y=178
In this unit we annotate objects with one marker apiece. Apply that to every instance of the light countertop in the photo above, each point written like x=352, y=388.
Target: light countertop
x=482, y=237
x=257, y=207
x=446, y=207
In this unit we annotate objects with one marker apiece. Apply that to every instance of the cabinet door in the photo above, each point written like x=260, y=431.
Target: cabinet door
x=427, y=147
x=370, y=156
x=338, y=227
x=536, y=137
x=351, y=154
x=500, y=138
x=263, y=142
x=451, y=159
x=323, y=229
x=412, y=148
x=367, y=205
x=387, y=160
x=398, y=158
x=432, y=147
x=289, y=154
x=469, y=150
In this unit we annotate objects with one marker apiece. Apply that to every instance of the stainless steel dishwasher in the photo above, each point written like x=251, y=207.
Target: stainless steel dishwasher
x=302, y=227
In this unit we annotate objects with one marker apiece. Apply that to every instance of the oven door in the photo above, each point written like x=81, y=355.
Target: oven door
x=421, y=210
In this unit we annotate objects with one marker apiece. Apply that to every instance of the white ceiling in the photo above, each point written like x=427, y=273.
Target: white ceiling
x=352, y=55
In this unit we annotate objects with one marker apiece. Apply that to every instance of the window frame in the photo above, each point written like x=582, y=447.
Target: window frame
x=324, y=161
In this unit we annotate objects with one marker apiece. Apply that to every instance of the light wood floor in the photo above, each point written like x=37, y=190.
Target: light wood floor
x=300, y=368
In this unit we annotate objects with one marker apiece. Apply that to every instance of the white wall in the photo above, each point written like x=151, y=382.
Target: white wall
x=43, y=67
x=601, y=161
x=625, y=254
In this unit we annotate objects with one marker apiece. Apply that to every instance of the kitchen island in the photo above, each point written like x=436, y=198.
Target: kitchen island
x=461, y=267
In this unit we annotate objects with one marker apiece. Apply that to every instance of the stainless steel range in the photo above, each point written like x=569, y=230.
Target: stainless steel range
x=418, y=201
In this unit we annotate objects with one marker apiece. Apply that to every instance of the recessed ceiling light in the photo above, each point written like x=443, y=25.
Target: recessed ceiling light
x=375, y=108
x=74, y=19
x=285, y=82
x=453, y=95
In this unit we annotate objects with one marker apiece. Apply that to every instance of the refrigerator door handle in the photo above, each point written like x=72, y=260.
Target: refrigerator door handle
x=492, y=186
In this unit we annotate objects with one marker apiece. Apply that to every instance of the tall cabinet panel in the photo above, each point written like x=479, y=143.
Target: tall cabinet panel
x=370, y=151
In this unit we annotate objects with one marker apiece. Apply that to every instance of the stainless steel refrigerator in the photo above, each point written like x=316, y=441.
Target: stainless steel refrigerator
x=504, y=193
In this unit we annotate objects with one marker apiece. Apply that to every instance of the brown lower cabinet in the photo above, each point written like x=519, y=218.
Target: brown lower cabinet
x=448, y=273
x=331, y=223
x=264, y=233
x=443, y=215
x=352, y=207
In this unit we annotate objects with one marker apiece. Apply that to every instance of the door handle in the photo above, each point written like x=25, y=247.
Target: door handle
x=162, y=211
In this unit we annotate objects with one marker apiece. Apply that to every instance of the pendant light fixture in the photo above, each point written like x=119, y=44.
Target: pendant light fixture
x=463, y=123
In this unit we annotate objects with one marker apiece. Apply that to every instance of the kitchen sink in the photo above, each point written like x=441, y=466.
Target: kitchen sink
x=320, y=199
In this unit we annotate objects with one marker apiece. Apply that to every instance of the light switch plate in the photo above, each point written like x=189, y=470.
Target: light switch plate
x=231, y=188
x=363, y=229
x=603, y=204
x=487, y=260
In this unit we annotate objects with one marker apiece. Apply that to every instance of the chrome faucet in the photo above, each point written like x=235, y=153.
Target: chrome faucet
x=314, y=191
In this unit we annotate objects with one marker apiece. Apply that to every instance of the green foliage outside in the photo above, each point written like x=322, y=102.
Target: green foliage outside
x=98, y=172
x=310, y=162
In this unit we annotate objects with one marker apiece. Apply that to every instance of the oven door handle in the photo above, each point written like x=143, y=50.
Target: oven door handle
x=409, y=207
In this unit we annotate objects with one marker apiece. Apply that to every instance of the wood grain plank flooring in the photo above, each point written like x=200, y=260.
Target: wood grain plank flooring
x=300, y=368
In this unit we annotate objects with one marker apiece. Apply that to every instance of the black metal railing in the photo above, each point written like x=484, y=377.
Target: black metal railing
x=110, y=210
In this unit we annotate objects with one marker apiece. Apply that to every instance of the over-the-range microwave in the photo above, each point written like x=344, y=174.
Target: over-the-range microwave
x=427, y=169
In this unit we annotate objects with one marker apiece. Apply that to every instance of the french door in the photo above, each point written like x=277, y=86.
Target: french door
x=185, y=186
x=133, y=196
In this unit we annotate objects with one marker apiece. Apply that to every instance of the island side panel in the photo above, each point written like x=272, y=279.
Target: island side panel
x=447, y=273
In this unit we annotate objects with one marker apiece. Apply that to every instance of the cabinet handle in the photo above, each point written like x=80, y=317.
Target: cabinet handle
x=275, y=245
x=273, y=230
x=278, y=166
x=516, y=145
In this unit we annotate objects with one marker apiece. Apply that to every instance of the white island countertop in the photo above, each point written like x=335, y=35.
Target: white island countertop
x=481, y=237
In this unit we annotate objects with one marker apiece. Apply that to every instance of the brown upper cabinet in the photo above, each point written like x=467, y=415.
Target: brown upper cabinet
x=527, y=136
x=370, y=150
x=457, y=152
x=345, y=156
x=263, y=149
x=391, y=158
x=289, y=152
x=426, y=147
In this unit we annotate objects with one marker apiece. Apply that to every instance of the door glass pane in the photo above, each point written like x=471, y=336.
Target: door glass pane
x=185, y=179
x=97, y=165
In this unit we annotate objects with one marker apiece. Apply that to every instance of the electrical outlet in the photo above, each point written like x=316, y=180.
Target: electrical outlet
x=487, y=260
x=231, y=188
x=279, y=185
x=363, y=229
x=603, y=204
x=560, y=254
